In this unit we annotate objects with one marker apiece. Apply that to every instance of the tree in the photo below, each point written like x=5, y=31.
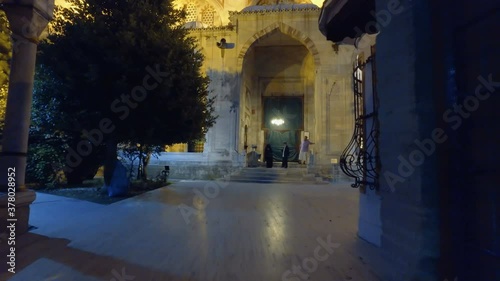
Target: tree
x=53, y=131
x=130, y=74
x=5, y=56
x=141, y=153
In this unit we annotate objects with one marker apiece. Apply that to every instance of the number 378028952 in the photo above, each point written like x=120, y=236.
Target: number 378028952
x=11, y=178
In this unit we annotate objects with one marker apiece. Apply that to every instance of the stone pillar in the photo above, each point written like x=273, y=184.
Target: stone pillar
x=28, y=19
x=409, y=207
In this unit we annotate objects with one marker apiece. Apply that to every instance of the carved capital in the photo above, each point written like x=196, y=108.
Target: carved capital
x=28, y=18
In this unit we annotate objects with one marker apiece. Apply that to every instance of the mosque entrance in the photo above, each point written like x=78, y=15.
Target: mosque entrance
x=283, y=122
x=278, y=74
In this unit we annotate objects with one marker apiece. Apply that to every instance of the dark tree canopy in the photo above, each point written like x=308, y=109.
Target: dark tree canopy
x=130, y=61
x=128, y=69
x=53, y=132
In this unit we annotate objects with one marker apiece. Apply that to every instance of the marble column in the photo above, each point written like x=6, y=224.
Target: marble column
x=27, y=19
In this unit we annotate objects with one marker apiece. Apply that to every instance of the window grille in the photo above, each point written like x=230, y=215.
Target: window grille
x=191, y=12
x=208, y=15
x=360, y=159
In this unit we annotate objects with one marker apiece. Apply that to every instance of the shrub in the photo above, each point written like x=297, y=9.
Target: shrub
x=44, y=165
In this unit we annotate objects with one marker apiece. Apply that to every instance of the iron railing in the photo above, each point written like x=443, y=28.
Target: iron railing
x=360, y=159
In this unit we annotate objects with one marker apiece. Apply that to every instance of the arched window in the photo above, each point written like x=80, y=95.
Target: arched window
x=191, y=12
x=208, y=15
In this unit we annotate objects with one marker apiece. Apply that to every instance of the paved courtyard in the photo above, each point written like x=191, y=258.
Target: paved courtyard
x=228, y=232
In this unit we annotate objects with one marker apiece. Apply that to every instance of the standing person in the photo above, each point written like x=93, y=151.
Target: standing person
x=285, y=153
x=268, y=156
x=304, y=150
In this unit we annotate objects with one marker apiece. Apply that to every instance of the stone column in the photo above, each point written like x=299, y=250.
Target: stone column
x=28, y=19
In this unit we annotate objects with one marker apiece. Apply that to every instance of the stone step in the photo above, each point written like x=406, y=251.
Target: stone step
x=278, y=165
x=263, y=180
x=275, y=175
x=269, y=177
x=290, y=174
x=272, y=171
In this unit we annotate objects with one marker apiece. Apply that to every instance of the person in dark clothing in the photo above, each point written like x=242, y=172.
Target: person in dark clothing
x=285, y=153
x=268, y=156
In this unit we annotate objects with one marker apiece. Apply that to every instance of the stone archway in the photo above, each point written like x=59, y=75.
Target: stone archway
x=278, y=85
x=285, y=29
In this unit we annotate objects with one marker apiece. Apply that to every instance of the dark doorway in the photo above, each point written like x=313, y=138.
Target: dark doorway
x=283, y=122
x=245, y=138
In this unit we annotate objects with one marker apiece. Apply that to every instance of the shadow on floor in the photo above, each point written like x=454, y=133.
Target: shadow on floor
x=34, y=253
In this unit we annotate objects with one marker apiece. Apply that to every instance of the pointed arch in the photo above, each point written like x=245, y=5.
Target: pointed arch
x=285, y=29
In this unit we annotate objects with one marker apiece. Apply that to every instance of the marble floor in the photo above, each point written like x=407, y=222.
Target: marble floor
x=198, y=230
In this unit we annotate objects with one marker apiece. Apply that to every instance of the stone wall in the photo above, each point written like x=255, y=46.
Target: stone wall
x=195, y=171
x=194, y=166
x=409, y=205
x=469, y=65
x=288, y=47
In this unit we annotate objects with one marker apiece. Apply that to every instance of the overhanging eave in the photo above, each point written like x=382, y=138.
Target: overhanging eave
x=343, y=19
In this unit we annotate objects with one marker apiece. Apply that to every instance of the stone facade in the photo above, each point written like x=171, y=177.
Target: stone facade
x=270, y=50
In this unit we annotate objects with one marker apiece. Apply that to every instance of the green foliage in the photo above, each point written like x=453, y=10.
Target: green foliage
x=52, y=132
x=45, y=152
x=136, y=154
x=5, y=49
x=102, y=52
x=5, y=56
x=44, y=165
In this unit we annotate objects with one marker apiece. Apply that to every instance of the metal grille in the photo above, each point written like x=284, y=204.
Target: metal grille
x=360, y=159
x=191, y=12
x=208, y=15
